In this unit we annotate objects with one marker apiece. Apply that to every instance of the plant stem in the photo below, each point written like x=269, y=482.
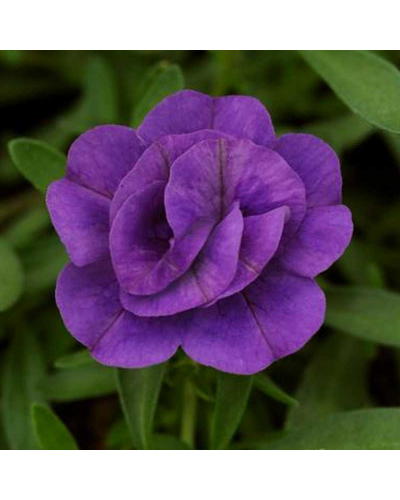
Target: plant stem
x=188, y=423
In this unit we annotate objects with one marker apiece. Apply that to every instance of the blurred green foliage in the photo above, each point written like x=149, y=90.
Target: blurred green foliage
x=340, y=391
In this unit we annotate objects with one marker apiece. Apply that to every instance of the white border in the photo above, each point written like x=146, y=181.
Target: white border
x=199, y=475
x=202, y=25
x=205, y=24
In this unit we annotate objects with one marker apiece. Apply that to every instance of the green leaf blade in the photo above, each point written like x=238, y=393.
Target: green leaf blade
x=265, y=384
x=11, y=276
x=358, y=267
x=334, y=380
x=23, y=368
x=165, y=82
x=51, y=432
x=139, y=390
x=368, y=84
x=372, y=429
x=342, y=133
x=369, y=313
x=75, y=359
x=167, y=442
x=38, y=162
x=101, y=96
x=27, y=228
x=78, y=383
x=233, y=392
x=42, y=262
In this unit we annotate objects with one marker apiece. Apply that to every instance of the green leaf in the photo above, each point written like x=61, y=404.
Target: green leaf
x=27, y=227
x=372, y=429
x=53, y=334
x=51, y=432
x=43, y=261
x=23, y=368
x=357, y=266
x=78, y=358
x=341, y=133
x=227, y=64
x=368, y=313
x=119, y=437
x=334, y=380
x=265, y=384
x=168, y=442
x=139, y=390
x=368, y=84
x=40, y=163
x=232, y=395
x=165, y=82
x=100, y=92
x=3, y=440
x=98, y=105
x=81, y=382
x=11, y=276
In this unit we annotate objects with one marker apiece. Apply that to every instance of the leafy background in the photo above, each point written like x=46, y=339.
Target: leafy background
x=342, y=391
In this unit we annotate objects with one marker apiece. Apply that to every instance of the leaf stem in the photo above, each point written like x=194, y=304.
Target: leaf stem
x=189, y=410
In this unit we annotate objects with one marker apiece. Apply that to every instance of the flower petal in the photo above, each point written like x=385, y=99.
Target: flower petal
x=154, y=164
x=134, y=342
x=320, y=241
x=245, y=333
x=190, y=111
x=210, y=274
x=175, y=145
x=261, y=237
x=101, y=157
x=80, y=217
x=146, y=258
x=180, y=113
x=151, y=167
x=212, y=175
x=317, y=165
x=244, y=117
x=88, y=299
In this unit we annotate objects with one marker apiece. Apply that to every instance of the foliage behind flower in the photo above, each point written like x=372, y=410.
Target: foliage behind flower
x=201, y=229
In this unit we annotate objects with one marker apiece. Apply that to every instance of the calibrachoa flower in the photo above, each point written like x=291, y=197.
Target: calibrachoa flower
x=200, y=229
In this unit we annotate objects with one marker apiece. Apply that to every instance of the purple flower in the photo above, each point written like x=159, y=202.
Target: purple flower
x=200, y=229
